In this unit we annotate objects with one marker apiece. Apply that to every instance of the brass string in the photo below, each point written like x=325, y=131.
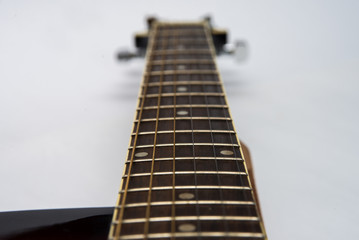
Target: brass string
x=173, y=207
x=213, y=53
x=148, y=208
x=214, y=152
x=119, y=212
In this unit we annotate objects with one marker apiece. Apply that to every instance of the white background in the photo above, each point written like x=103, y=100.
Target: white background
x=66, y=104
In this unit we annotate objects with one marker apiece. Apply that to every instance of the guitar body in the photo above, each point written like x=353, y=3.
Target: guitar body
x=69, y=224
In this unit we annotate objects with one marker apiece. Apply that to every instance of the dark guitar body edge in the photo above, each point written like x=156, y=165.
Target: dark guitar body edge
x=76, y=223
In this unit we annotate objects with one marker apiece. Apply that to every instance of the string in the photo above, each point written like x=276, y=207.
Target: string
x=118, y=216
x=173, y=209
x=223, y=101
x=148, y=207
x=194, y=163
x=215, y=158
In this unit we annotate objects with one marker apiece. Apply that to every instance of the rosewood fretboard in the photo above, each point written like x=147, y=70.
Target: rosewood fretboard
x=185, y=176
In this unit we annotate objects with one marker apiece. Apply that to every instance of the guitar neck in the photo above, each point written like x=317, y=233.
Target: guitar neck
x=185, y=175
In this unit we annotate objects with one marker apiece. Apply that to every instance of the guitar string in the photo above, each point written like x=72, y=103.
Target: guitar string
x=223, y=101
x=215, y=154
x=173, y=210
x=122, y=198
x=198, y=212
x=148, y=207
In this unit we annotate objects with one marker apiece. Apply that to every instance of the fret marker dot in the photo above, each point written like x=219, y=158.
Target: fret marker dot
x=141, y=154
x=181, y=67
x=186, y=196
x=187, y=227
x=182, y=113
x=182, y=89
x=226, y=152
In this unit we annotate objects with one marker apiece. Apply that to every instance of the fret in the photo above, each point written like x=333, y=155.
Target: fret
x=201, y=187
x=186, y=235
x=185, y=144
x=181, y=51
x=182, y=73
x=206, y=113
x=190, y=150
x=181, y=33
x=181, y=61
x=176, y=41
x=184, y=89
x=243, y=194
x=188, y=158
x=184, y=166
x=184, y=123
x=171, y=75
x=171, y=83
x=185, y=101
x=184, y=106
x=200, y=202
x=196, y=138
x=183, y=180
x=186, y=94
x=187, y=45
x=191, y=218
x=161, y=209
x=180, y=67
x=185, y=172
x=186, y=131
x=195, y=56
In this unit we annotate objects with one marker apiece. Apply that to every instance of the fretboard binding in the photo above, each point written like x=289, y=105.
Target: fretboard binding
x=190, y=218
x=191, y=234
x=172, y=72
x=188, y=187
x=186, y=158
x=184, y=118
x=185, y=131
x=181, y=61
x=200, y=202
x=186, y=144
x=195, y=94
x=185, y=172
x=180, y=51
x=186, y=106
x=172, y=83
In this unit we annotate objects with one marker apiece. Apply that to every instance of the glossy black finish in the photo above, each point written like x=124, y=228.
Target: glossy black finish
x=79, y=223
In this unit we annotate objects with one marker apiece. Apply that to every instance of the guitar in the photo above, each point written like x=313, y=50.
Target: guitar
x=186, y=176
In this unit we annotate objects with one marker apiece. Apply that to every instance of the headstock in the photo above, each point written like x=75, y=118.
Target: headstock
x=219, y=37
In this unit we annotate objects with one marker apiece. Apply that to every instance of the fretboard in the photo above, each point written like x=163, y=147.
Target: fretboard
x=185, y=175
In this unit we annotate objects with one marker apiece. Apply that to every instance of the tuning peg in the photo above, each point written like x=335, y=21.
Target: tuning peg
x=239, y=49
x=126, y=55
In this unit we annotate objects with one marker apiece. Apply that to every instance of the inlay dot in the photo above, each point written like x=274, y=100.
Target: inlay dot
x=141, y=154
x=186, y=196
x=187, y=227
x=226, y=152
x=182, y=113
x=182, y=89
x=181, y=67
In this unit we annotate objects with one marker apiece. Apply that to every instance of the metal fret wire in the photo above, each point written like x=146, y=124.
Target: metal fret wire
x=116, y=229
x=148, y=208
x=228, y=128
